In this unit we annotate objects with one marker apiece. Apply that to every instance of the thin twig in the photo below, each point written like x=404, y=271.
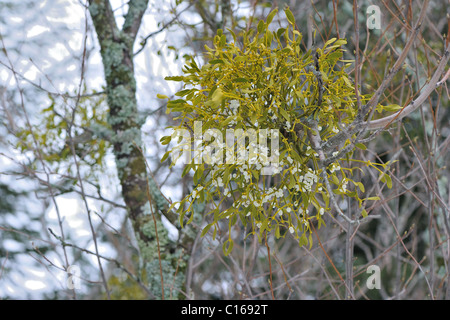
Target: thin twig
x=117, y=263
x=270, y=265
x=155, y=224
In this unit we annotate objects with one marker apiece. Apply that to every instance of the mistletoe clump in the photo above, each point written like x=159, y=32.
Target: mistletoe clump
x=262, y=84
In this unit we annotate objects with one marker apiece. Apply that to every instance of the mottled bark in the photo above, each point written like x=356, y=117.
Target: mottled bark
x=117, y=55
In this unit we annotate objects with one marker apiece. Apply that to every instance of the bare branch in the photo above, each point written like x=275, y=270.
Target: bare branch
x=397, y=65
x=103, y=18
x=133, y=19
x=429, y=88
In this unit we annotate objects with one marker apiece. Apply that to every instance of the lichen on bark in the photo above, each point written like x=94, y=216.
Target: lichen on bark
x=116, y=48
x=163, y=260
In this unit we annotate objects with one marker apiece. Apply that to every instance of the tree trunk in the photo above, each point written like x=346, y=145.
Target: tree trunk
x=163, y=260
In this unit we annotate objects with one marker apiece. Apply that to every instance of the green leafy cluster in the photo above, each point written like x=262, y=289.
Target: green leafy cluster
x=262, y=79
x=87, y=124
